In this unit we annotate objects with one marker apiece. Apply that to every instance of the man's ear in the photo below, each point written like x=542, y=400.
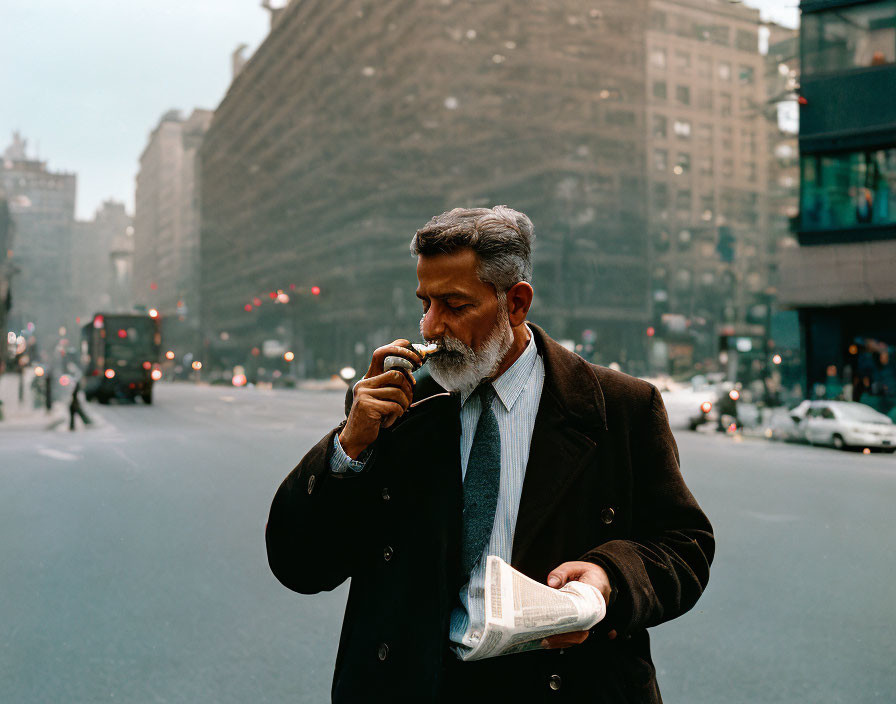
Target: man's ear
x=519, y=299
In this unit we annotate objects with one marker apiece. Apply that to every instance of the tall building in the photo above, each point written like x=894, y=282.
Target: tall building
x=706, y=164
x=93, y=274
x=841, y=277
x=355, y=122
x=166, y=226
x=42, y=206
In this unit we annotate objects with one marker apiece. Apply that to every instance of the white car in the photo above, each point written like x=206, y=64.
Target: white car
x=844, y=424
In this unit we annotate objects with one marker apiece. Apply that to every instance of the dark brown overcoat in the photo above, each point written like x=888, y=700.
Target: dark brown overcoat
x=602, y=484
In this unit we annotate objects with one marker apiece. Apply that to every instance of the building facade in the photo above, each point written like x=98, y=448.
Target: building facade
x=42, y=208
x=354, y=123
x=707, y=158
x=841, y=277
x=166, y=227
x=94, y=279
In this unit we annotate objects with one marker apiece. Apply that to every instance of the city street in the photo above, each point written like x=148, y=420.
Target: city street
x=134, y=566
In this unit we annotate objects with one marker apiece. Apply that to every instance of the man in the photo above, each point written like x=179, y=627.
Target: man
x=505, y=444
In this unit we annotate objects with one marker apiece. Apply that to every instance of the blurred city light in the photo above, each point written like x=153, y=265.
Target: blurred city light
x=65, y=380
x=153, y=313
x=347, y=373
x=156, y=374
x=289, y=356
x=776, y=359
x=38, y=371
x=197, y=365
x=169, y=354
x=239, y=380
x=315, y=290
x=734, y=394
x=110, y=373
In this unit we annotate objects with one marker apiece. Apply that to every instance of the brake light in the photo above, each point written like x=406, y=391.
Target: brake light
x=147, y=365
x=706, y=406
x=156, y=374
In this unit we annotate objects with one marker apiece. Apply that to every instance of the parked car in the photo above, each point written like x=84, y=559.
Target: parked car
x=788, y=426
x=846, y=424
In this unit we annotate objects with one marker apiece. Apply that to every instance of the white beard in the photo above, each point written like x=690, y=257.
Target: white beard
x=460, y=367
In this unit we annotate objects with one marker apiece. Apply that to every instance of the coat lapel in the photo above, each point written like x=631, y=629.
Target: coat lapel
x=570, y=419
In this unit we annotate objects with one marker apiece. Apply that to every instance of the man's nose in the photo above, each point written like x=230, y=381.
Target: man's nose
x=432, y=327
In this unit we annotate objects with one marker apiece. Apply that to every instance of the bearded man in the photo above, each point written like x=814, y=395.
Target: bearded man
x=504, y=444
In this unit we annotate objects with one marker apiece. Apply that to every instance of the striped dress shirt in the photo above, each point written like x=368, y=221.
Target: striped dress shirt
x=518, y=395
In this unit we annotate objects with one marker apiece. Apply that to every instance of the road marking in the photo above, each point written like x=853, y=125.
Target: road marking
x=57, y=454
x=772, y=517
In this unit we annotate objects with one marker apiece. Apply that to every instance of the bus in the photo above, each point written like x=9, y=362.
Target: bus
x=120, y=356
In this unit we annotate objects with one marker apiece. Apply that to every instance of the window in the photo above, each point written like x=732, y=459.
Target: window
x=704, y=133
x=683, y=95
x=750, y=169
x=745, y=104
x=748, y=141
x=704, y=99
x=659, y=90
x=727, y=141
x=848, y=190
x=724, y=71
x=660, y=196
x=683, y=200
x=659, y=126
x=683, y=165
x=745, y=75
x=746, y=40
x=847, y=37
x=658, y=58
x=706, y=166
x=725, y=104
x=660, y=159
x=682, y=128
x=658, y=20
x=728, y=167
x=682, y=62
x=704, y=67
x=707, y=205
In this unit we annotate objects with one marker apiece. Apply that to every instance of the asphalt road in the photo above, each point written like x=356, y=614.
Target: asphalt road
x=134, y=570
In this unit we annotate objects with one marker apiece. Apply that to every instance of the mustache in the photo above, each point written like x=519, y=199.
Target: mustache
x=447, y=346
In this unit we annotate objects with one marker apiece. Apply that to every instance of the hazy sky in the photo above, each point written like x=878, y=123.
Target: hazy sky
x=85, y=81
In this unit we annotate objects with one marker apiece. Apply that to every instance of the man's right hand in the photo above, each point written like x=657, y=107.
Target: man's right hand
x=380, y=398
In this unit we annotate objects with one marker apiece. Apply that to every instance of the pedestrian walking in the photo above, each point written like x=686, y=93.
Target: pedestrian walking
x=75, y=409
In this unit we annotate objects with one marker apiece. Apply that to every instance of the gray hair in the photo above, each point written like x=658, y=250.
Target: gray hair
x=501, y=237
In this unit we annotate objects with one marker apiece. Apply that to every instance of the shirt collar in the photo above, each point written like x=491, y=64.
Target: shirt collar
x=511, y=383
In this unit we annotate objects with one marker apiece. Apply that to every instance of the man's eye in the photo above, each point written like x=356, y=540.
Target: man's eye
x=460, y=307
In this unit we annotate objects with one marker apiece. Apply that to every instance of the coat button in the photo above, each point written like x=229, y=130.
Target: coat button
x=382, y=652
x=311, y=481
x=387, y=553
x=607, y=515
x=386, y=496
x=555, y=682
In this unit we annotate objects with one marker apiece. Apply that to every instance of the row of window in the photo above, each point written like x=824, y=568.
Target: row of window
x=660, y=91
x=848, y=189
x=714, y=33
x=849, y=37
x=682, y=65
x=705, y=165
x=683, y=129
x=737, y=205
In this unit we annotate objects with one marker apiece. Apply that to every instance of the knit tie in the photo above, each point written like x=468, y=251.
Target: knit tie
x=481, y=481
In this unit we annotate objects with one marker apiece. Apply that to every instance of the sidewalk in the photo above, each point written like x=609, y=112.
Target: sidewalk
x=24, y=417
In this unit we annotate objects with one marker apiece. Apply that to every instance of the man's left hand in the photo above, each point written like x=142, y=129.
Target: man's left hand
x=577, y=571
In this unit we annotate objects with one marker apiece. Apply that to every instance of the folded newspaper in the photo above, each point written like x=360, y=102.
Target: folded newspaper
x=520, y=612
